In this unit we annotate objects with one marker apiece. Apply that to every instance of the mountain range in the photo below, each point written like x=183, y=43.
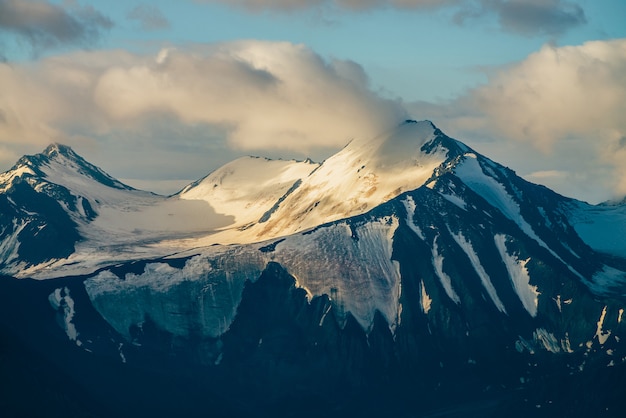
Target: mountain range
x=407, y=274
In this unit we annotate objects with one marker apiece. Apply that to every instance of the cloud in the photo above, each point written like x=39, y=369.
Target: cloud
x=524, y=17
x=527, y=17
x=268, y=95
x=46, y=25
x=149, y=17
x=567, y=102
x=249, y=96
x=349, y=5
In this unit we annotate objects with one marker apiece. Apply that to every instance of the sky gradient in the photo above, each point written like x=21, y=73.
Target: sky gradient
x=161, y=93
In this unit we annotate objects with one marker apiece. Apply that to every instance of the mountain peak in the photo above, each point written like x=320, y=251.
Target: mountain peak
x=59, y=163
x=418, y=122
x=400, y=146
x=59, y=149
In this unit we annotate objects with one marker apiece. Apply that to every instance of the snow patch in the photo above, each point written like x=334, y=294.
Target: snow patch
x=518, y=273
x=445, y=280
x=62, y=302
x=601, y=334
x=409, y=205
x=547, y=340
x=466, y=246
x=566, y=344
x=425, y=300
x=326, y=311
x=455, y=200
x=122, y=356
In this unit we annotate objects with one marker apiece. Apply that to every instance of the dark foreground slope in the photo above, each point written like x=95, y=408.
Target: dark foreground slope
x=276, y=361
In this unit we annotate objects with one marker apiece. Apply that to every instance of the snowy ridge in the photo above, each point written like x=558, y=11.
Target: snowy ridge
x=7, y=178
x=290, y=197
x=248, y=200
x=360, y=177
x=248, y=187
x=472, y=173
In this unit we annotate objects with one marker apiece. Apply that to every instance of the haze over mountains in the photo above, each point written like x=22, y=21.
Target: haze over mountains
x=406, y=263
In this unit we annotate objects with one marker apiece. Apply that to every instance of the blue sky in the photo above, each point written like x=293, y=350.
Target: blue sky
x=160, y=93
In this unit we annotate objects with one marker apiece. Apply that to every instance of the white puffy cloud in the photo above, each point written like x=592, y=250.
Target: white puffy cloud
x=558, y=92
x=563, y=106
x=556, y=117
x=269, y=95
x=247, y=95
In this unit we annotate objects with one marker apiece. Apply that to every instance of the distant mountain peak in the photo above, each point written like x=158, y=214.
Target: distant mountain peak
x=418, y=122
x=65, y=156
x=57, y=148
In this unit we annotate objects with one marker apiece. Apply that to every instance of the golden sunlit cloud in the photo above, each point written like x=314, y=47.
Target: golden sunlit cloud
x=559, y=98
x=266, y=95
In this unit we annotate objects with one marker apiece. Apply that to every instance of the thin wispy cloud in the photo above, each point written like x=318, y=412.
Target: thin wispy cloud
x=524, y=17
x=350, y=5
x=149, y=17
x=527, y=17
x=43, y=25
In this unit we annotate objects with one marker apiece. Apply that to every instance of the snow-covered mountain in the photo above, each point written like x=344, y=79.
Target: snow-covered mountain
x=404, y=273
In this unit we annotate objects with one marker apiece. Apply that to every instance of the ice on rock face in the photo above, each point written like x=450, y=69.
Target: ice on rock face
x=352, y=264
x=199, y=299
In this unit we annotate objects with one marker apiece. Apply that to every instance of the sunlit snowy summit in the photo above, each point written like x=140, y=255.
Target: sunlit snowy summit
x=408, y=257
